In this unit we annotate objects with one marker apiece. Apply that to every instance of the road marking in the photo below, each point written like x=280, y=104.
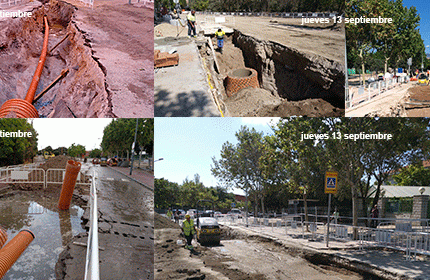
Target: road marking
x=110, y=179
x=125, y=180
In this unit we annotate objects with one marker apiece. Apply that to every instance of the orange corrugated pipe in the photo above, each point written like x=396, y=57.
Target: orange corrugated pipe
x=24, y=108
x=3, y=237
x=11, y=252
x=72, y=171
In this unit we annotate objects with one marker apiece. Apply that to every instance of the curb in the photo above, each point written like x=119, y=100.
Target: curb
x=128, y=176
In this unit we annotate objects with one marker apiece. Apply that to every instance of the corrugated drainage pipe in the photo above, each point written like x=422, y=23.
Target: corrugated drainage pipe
x=3, y=237
x=72, y=171
x=239, y=79
x=18, y=108
x=11, y=252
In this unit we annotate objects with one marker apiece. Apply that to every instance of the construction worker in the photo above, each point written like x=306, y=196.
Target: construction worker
x=191, y=18
x=189, y=229
x=220, y=39
x=169, y=214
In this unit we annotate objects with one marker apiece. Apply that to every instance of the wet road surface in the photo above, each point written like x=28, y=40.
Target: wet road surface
x=53, y=230
x=126, y=231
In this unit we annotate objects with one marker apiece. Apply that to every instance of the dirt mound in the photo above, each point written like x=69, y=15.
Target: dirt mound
x=169, y=30
x=56, y=162
x=261, y=103
x=163, y=222
x=421, y=93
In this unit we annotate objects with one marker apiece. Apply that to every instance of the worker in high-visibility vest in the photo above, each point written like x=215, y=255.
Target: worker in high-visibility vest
x=191, y=18
x=189, y=229
x=169, y=214
x=220, y=39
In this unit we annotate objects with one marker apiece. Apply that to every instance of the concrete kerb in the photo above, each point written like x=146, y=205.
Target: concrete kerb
x=326, y=256
x=128, y=176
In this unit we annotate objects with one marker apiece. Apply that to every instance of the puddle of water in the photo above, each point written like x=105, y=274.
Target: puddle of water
x=53, y=230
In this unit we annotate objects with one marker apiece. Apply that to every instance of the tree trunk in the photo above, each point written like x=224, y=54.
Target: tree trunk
x=354, y=212
x=306, y=210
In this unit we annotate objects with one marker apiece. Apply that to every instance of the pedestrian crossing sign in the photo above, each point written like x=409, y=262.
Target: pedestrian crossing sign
x=330, y=182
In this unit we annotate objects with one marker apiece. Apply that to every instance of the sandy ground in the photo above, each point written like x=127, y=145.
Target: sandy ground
x=237, y=257
x=109, y=55
x=121, y=37
x=419, y=94
x=323, y=41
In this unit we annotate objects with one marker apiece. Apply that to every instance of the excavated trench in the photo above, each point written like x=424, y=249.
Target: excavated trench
x=290, y=82
x=82, y=93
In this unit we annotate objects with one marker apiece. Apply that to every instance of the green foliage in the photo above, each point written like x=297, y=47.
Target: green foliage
x=76, y=150
x=165, y=193
x=60, y=151
x=392, y=42
x=17, y=150
x=96, y=153
x=413, y=175
x=118, y=136
x=169, y=194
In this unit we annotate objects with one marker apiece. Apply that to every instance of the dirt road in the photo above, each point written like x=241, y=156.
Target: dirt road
x=238, y=257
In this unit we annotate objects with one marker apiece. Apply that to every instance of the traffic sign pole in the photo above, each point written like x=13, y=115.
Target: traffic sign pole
x=328, y=219
x=329, y=188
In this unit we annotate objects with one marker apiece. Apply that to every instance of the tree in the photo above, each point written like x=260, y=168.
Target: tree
x=303, y=161
x=17, y=150
x=239, y=165
x=165, y=193
x=118, y=136
x=413, y=175
x=96, y=153
x=76, y=150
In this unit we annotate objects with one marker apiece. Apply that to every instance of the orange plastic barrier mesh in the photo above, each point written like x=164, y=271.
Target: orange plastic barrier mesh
x=11, y=252
x=72, y=171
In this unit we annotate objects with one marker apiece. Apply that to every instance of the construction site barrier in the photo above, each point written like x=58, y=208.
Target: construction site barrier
x=10, y=253
x=72, y=172
x=10, y=3
x=279, y=14
x=363, y=94
x=22, y=175
x=92, y=258
x=409, y=240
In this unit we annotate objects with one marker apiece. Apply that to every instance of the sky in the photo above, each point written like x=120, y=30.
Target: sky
x=423, y=8
x=64, y=132
x=187, y=145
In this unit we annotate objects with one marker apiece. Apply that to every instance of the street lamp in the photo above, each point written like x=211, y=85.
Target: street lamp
x=422, y=61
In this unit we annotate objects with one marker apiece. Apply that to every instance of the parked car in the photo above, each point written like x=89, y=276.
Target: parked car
x=192, y=213
x=103, y=161
x=235, y=212
x=112, y=162
x=423, y=79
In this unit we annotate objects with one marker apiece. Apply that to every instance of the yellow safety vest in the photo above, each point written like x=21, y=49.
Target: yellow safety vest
x=188, y=227
x=191, y=18
x=219, y=35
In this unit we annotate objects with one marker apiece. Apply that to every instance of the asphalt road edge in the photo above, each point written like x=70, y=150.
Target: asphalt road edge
x=128, y=176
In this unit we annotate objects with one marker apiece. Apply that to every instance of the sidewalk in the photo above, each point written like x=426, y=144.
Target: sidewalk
x=140, y=176
x=389, y=264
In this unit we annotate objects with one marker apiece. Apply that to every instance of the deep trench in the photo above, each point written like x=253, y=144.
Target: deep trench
x=284, y=72
x=82, y=93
